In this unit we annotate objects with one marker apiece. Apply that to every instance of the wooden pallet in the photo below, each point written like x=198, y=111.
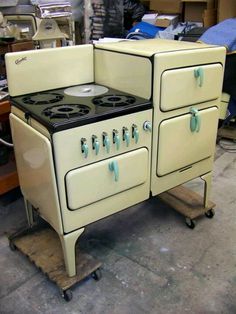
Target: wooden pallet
x=187, y=202
x=43, y=248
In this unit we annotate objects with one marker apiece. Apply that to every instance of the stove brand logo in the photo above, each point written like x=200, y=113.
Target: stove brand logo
x=19, y=61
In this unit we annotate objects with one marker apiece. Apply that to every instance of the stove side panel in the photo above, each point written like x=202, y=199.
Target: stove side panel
x=36, y=171
x=126, y=72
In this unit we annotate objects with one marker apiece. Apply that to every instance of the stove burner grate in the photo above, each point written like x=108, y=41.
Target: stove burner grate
x=42, y=98
x=113, y=100
x=66, y=111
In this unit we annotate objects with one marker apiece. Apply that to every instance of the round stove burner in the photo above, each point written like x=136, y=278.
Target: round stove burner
x=66, y=111
x=89, y=90
x=114, y=100
x=42, y=98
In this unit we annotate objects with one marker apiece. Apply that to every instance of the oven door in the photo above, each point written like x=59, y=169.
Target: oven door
x=179, y=147
x=103, y=179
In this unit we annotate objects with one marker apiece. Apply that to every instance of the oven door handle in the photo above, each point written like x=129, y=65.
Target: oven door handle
x=199, y=75
x=113, y=167
x=195, y=120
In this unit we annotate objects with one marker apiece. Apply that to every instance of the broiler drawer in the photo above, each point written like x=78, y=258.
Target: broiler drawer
x=190, y=85
x=179, y=147
x=103, y=179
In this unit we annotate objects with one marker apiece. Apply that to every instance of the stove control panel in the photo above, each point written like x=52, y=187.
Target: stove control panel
x=101, y=140
x=129, y=135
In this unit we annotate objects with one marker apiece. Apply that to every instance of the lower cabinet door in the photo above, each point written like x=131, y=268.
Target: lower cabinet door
x=185, y=140
x=105, y=178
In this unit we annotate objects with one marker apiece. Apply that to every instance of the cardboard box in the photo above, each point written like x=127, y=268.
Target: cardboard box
x=166, y=6
x=166, y=20
x=150, y=18
x=199, y=11
x=226, y=9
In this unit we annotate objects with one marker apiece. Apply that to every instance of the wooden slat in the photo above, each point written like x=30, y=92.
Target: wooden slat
x=43, y=248
x=185, y=201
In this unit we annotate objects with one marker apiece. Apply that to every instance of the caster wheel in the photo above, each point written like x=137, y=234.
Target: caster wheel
x=12, y=246
x=210, y=213
x=67, y=295
x=190, y=223
x=97, y=274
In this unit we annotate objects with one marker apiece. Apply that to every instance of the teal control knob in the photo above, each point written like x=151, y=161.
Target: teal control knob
x=116, y=139
x=84, y=147
x=147, y=126
x=95, y=144
x=126, y=136
x=135, y=133
x=106, y=142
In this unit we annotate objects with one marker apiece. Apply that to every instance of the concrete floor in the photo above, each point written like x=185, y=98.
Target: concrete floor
x=152, y=263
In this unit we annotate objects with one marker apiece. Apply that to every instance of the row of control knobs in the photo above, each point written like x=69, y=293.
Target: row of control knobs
x=115, y=138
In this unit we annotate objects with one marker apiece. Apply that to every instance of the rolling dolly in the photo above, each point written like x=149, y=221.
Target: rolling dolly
x=188, y=203
x=43, y=248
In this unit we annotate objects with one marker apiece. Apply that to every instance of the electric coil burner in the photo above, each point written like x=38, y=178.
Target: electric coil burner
x=66, y=111
x=114, y=100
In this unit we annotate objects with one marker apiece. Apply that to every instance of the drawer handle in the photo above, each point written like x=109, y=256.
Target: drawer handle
x=113, y=167
x=199, y=75
x=195, y=120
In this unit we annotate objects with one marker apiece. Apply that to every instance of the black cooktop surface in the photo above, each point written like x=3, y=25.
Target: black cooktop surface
x=58, y=111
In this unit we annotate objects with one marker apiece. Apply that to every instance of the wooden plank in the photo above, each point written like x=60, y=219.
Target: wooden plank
x=185, y=201
x=43, y=248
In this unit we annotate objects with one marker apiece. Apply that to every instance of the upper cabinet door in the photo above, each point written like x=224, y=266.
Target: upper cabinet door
x=186, y=86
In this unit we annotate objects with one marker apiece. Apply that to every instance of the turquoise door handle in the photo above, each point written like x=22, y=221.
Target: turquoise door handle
x=195, y=120
x=84, y=149
x=113, y=167
x=96, y=146
x=199, y=75
x=106, y=143
x=136, y=134
x=127, y=137
x=117, y=141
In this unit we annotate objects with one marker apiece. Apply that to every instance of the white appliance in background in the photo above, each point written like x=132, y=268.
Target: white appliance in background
x=48, y=33
x=184, y=81
x=83, y=150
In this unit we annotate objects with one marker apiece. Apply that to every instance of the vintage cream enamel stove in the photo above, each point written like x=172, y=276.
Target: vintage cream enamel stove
x=97, y=129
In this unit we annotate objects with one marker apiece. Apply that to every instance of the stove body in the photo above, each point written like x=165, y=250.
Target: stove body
x=185, y=87
x=82, y=150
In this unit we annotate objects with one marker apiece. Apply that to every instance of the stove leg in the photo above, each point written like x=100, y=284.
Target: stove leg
x=207, y=178
x=68, y=247
x=29, y=212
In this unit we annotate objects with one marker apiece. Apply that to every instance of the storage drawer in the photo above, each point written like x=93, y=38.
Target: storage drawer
x=100, y=180
x=179, y=147
x=191, y=85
